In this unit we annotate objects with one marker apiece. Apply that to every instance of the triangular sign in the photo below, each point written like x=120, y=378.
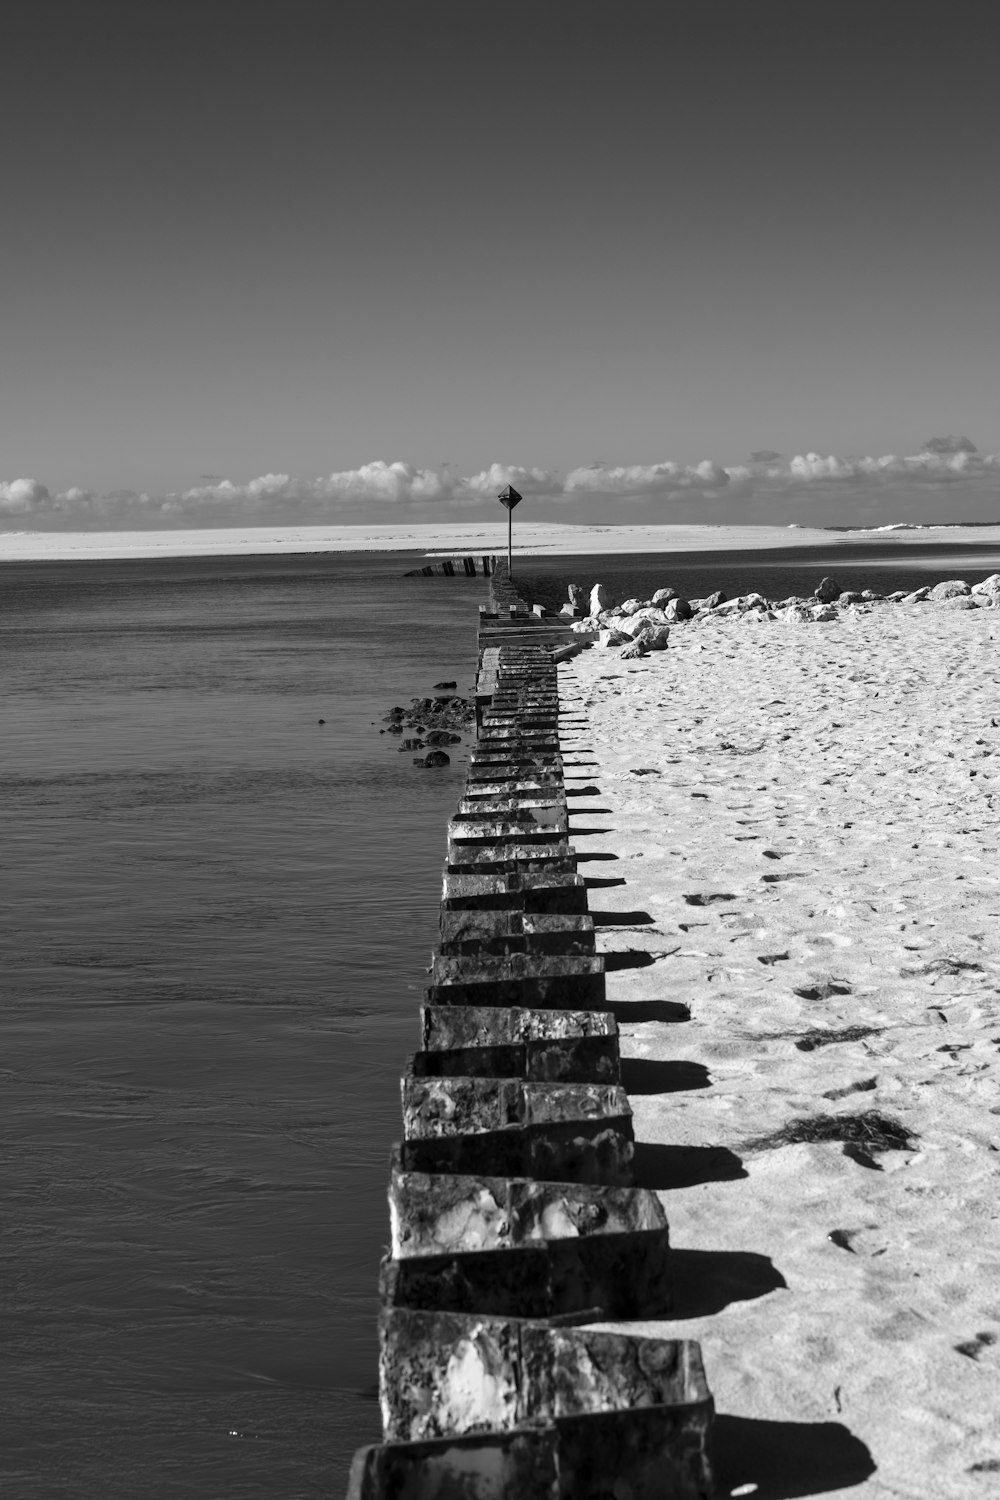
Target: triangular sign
x=509, y=497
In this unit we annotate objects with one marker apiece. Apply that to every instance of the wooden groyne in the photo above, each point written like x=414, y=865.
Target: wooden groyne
x=516, y=1222
x=456, y=567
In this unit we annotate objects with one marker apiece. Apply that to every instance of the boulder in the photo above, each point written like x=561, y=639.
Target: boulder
x=611, y=638
x=637, y=648
x=961, y=601
x=917, y=597
x=679, y=609
x=989, y=586
x=663, y=596
x=600, y=599
x=577, y=596
x=826, y=591
x=648, y=615
x=850, y=596
x=632, y=606
x=584, y=627
x=656, y=637
x=952, y=588
x=714, y=600
x=434, y=758
x=824, y=612
x=798, y=614
x=870, y=596
x=896, y=598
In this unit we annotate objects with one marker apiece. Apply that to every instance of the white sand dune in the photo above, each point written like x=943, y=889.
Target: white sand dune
x=808, y=817
x=534, y=538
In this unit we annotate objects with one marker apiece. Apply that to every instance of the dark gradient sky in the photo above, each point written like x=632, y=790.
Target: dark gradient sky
x=246, y=238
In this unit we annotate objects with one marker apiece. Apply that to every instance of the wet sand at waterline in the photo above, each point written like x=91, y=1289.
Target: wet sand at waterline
x=805, y=822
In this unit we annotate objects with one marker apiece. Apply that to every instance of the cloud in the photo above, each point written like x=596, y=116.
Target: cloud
x=489, y=482
x=640, y=480
x=950, y=445
x=23, y=496
x=826, y=489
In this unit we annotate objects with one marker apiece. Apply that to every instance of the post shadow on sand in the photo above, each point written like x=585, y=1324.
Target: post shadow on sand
x=786, y=1459
x=632, y=1012
x=643, y=1075
x=706, y=1281
x=621, y=918
x=664, y=1167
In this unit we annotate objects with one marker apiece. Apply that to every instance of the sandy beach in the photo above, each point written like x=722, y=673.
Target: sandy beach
x=531, y=538
x=805, y=821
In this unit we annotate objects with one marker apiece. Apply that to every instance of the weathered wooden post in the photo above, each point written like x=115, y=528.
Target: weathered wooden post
x=508, y=498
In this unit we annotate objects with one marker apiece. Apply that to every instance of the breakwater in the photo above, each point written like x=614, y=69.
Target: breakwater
x=516, y=1222
x=456, y=567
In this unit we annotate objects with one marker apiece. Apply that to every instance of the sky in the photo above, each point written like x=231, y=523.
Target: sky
x=296, y=261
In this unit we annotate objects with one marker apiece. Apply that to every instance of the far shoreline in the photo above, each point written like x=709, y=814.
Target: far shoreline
x=533, y=539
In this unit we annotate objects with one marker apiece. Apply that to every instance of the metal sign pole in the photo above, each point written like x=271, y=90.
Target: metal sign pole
x=508, y=498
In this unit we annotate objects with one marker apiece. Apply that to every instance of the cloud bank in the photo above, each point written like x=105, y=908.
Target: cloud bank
x=947, y=479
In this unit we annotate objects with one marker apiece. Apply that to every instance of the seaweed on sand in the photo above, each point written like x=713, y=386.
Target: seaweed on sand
x=863, y=1135
x=810, y=1040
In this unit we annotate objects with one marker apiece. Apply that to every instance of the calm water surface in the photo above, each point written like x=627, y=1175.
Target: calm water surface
x=215, y=917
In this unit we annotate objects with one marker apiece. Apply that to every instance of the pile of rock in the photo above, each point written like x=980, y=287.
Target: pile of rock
x=433, y=722
x=643, y=625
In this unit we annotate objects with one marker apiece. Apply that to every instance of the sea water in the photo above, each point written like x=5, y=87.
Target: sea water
x=216, y=913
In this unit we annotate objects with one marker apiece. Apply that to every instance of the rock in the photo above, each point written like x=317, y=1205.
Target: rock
x=635, y=622
x=679, y=609
x=850, y=596
x=441, y=737
x=989, y=586
x=826, y=591
x=870, y=596
x=441, y=687
x=609, y=638
x=714, y=600
x=577, y=596
x=824, y=612
x=656, y=637
x=917, y=597
x=637, y=649
x=896, y=598
x=600, y=599
x=631, y=606
x=951, y=589
x=663, y=596
x=434, y=758
x=411, y=745
x=798, y=614
x=961, y=601
x=583, y=627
